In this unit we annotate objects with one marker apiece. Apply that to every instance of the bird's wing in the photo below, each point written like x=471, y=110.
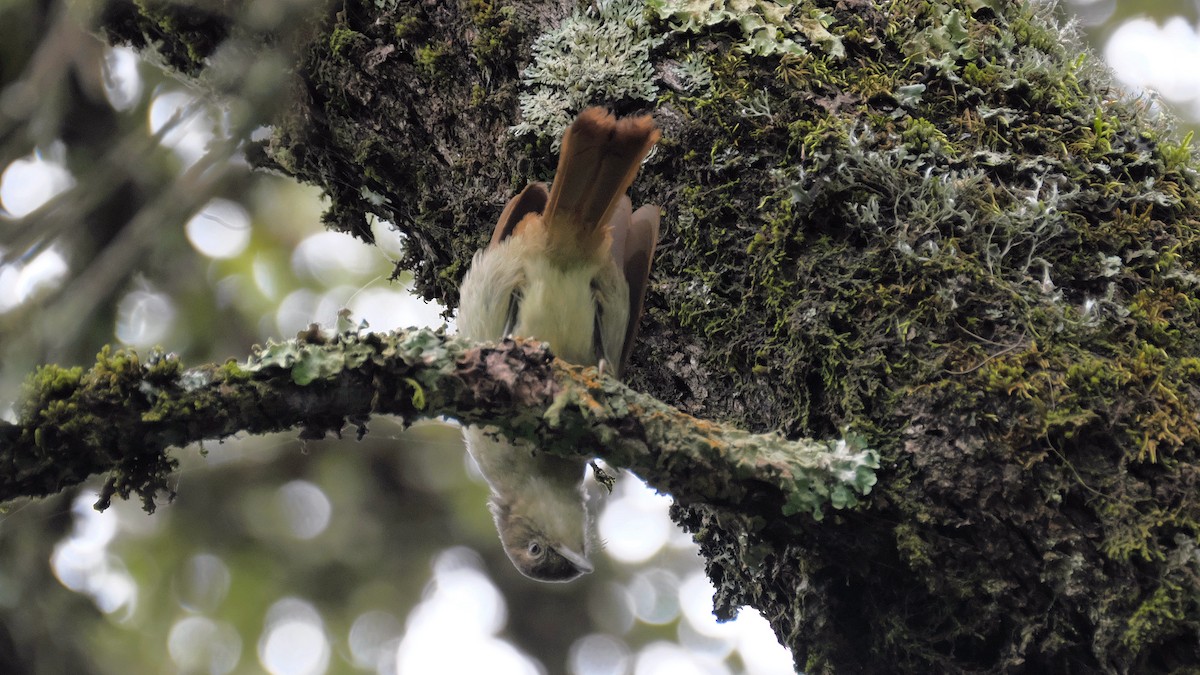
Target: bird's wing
x=637, y=252
x=530, y=200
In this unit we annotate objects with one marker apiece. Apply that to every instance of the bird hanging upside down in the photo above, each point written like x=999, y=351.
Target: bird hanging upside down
x=570, y=268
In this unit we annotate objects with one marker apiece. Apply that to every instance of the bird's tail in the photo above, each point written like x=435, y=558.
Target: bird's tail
x=600, y=157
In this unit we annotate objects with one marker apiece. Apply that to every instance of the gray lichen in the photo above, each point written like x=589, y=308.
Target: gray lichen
x=591, y=57
x=768, y=28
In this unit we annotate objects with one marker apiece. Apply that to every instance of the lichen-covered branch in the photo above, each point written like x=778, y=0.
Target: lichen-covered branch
x=123, y=415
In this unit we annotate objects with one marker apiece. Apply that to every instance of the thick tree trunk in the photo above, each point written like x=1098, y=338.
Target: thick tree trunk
x=931, y=223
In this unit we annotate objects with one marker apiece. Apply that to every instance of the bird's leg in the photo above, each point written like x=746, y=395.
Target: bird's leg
x=603, y=477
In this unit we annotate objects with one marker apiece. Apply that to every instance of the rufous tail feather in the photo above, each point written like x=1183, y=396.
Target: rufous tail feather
x=600, y=157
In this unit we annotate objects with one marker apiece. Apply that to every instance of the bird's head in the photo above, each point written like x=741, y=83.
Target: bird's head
x=544, y=546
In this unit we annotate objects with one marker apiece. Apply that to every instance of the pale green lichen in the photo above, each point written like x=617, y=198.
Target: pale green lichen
x=603, y=54
x=589, y=58
x=768, y=28
x=319, y=357
x=694, y=75
x=841, y=470
x=946, y=44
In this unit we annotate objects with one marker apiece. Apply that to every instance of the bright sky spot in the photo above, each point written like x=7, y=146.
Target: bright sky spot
x=295, y=312
x=599, y=654
x=122, y=82
x=306, y=510
x=370, y=636
x=331, y=303
x=333, y=257
x=1092, y=12
x=200, y=645
x=758, y=647
x=202, y=583
x=388, y=238
x=655, y=594
x=453, y=630
x=220, y=230
x=266, y=277
x=82, y=563
x=144, y=318
x=23, y=281
x=695, y=600
x=665, y=658
x=699, y=643
x=755, y=641
x=294, y=648
x=382, y=307
x=386, y=308
x=635, y=524
x=191, y=132
x=293, y=641
x=1148, y=55
x=462, y=596
x=8, y=280
x=492, y=656
x=74, y=562
x=113, y=588
x=31, y=181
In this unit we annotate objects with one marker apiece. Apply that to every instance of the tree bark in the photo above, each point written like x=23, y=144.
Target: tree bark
x=932, y=223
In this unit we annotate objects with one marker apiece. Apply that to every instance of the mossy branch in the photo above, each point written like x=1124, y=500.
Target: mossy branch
x=124, y=414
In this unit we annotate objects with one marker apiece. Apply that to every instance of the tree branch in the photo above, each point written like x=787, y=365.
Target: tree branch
x=124, y=414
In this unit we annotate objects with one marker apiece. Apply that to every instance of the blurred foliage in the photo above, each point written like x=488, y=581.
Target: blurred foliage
x=398, y=499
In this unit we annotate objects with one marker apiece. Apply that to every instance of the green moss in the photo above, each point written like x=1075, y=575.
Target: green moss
x=51, y=382
x=162, y=366
x=922, y=135
x=1157, y=615
x=1177, y=155
x=185, y=35
x=342, y=38
x=911, y=547
x=429, y=58
x=498, y=32
x=409, y=26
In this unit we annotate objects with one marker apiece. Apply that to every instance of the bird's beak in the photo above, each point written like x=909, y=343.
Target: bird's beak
x=580, y=562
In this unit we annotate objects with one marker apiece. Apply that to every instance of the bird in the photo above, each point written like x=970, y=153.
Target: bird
x=568, y=266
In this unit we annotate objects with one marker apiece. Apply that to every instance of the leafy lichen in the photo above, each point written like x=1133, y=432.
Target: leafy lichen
x=588, y=58
x=768, y=28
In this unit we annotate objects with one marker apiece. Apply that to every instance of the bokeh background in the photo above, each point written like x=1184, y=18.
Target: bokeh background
x=128, y=216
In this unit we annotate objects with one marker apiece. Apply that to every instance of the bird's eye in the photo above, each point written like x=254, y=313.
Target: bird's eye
x=535, y=549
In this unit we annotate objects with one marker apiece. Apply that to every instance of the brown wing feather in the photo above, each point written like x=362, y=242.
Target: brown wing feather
x=599, y=159
x=618, y=226
x=530, y=200
x=637, y=254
